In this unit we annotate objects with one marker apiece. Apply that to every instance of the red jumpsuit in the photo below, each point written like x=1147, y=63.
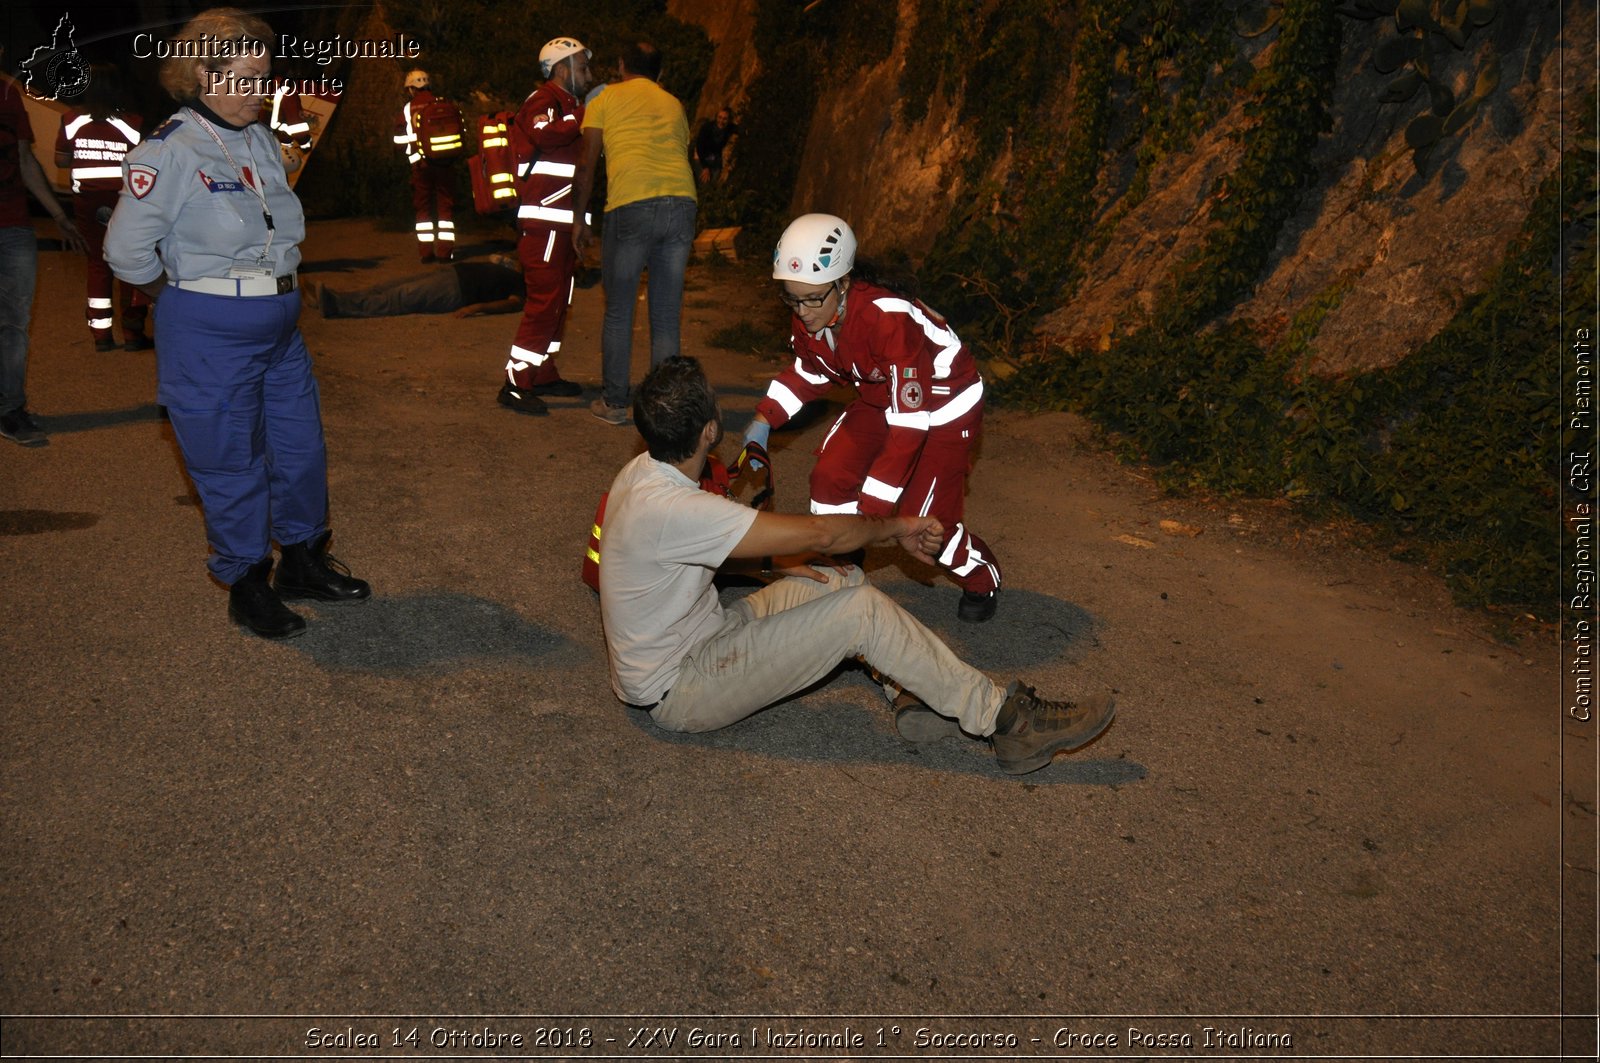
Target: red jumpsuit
x=905, y=444
x=92, y=149
x=433, y=186
x=547, y=139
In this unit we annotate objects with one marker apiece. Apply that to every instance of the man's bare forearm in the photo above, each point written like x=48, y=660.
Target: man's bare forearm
x=775, y=534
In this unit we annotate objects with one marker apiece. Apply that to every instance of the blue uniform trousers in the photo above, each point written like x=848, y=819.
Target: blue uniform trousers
x=235, y=377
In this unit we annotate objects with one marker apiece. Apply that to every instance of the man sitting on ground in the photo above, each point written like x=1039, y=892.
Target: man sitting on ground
x=695, y=666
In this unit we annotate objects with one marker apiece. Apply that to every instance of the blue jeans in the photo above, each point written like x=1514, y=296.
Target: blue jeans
x=438, y=292
x=19, y=266
x=658, y=234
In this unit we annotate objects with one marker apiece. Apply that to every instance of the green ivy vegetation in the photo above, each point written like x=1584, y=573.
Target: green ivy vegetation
x=1012, y=246
x=1289, y=109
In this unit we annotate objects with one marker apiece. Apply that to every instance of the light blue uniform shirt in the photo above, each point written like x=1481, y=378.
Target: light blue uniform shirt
x=184, y=208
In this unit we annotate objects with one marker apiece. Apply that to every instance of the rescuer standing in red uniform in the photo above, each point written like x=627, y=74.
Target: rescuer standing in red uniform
x=90, y=146
x=904, y=446
x=547, y=139
x=433, y=178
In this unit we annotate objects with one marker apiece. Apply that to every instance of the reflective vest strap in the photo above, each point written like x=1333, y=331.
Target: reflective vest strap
x=536, y=213
x=779, y=392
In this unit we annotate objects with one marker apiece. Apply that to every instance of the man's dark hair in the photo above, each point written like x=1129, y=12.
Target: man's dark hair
x=642, y=58
x=672, y=407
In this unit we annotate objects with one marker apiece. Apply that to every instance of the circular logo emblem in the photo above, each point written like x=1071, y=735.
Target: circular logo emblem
x=67, y=75
x=794, y=265
x=911, y=395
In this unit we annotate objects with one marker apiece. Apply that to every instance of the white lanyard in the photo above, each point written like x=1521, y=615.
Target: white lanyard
x=266, y=214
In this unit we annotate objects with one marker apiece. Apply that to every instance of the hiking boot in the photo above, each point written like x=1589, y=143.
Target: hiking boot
x=255, y=606
x=558, y=389
x=608, y=413
x=134, y=344
x=1030, y=730
x=523, y=400
x=20, y=427
x=915, y=722
x=308, y=571
x=975, y=608
x=103, y=344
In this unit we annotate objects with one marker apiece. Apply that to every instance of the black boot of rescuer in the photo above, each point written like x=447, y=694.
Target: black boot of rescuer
x=255, y=606
x=308, y=571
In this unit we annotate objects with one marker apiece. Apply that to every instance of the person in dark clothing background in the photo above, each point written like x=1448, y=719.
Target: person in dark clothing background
x=494, y=286
x=710, y=142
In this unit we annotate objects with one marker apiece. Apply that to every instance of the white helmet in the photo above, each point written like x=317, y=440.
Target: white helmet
x=814, y=249
x=417, y=79
x=557, y=50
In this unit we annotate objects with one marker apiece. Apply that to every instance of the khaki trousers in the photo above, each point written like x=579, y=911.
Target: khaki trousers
x=793, y=632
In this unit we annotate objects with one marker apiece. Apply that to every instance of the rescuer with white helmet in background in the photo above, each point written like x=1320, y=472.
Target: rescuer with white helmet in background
x=431, y=132
x=547, y=139
x=904, y=446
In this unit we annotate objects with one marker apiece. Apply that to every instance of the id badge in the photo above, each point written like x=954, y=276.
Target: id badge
x=243, y=271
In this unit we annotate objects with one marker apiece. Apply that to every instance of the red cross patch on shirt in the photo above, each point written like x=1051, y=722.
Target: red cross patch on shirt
x=141, y=179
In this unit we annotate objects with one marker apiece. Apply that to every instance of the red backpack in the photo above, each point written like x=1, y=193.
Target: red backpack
x=494, y=182
x=441, y=131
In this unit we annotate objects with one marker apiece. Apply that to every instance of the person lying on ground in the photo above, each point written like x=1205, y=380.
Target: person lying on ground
x=463, y=289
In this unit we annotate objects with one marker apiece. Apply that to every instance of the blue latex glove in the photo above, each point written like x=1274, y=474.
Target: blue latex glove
x=758, y=432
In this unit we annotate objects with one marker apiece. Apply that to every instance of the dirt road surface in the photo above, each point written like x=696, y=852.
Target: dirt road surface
x=1330, y=796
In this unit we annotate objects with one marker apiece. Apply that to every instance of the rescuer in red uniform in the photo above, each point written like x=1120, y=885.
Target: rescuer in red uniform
x=433, y=177
x=904, y=446
x=546, y=137
x=91, y=146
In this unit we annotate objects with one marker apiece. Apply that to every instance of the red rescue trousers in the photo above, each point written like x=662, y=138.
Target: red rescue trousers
x=936, y=486
x=548, y=263
x=86, y=207
x=433, y=198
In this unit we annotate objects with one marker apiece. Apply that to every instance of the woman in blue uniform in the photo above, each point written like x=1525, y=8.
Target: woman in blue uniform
x=207, y=226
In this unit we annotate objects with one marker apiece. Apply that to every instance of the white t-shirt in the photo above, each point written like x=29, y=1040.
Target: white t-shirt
x=660, y=546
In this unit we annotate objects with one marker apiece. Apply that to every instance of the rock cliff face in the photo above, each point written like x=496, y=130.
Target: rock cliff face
x=1405, y=246
x=1396, y=248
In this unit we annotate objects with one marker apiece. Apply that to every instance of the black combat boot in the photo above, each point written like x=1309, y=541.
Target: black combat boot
x=307, y=571
x=253, y=604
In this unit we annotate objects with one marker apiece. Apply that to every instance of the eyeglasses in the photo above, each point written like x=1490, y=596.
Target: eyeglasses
x=810, y=302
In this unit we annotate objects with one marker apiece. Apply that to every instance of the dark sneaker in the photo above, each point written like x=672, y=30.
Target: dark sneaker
x=523, y=400
x=137, y=343
x=915, y=722
x=608, y=413
x=976, y=608
x=20, y=427
x=256, y=607
x=104, y=343
x=307, y=570
x=558, y=389
x=1030, y=730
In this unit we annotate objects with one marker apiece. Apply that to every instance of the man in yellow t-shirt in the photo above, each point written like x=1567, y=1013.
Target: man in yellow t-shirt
x=650, y=215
